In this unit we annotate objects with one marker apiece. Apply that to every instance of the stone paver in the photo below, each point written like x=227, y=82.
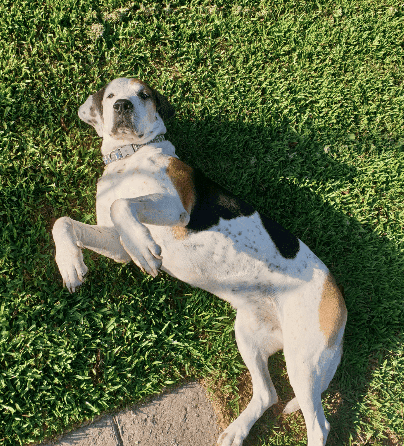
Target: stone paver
x=100, y=433
x=183, y=417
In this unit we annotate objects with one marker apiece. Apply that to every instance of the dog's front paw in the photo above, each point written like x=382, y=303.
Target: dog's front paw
x=143, y=250
x=69, y=257
x=232, y=436
x=72, y=268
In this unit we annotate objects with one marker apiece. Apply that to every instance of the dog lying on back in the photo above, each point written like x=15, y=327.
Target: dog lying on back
x=164, y=215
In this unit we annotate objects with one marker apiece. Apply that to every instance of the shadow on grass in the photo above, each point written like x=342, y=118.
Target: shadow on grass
x=367, y=266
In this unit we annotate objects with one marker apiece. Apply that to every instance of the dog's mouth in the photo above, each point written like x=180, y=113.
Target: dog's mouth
x=124, y=131
x=122, y=127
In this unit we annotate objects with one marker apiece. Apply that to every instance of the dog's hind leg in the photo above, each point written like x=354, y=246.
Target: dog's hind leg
x=311, y=366
x=312, y=339
x=257, y=339
x=294, y=405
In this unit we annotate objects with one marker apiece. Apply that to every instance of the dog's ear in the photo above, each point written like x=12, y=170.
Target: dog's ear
x=91, y=111
x=163, y=107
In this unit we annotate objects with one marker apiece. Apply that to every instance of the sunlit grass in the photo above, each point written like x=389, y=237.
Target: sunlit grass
x=297, y=107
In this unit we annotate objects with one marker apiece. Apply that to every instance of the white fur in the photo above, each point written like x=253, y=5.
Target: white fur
x=277, y=299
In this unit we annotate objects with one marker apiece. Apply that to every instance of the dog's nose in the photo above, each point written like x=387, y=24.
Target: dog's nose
x=123, y=105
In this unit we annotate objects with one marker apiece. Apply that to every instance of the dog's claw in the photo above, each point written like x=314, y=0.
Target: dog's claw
x=146, y=254
x=156, y=251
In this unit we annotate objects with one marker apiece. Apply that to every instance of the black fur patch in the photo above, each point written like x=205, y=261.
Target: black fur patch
x=214, y=202
x=97, y=103
x=286, y=243
x=163, y=107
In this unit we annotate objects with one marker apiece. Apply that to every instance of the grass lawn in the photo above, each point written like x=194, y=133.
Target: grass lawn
x=297, y=107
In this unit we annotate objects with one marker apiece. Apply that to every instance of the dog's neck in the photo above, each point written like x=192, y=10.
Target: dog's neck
x=129, y=149
x=114, y=150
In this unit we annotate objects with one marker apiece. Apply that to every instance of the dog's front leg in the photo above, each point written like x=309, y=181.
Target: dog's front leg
x=128, y=216
x=71, y=236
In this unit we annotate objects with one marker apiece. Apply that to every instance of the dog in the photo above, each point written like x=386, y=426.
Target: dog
x=160, y=213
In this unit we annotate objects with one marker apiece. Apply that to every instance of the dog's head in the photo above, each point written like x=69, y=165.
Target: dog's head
x=127, y=110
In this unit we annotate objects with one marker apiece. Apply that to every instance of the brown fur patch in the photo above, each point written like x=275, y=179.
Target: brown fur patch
x=146, y=88
x=179, y=232
x=161, y=104
x=332, y=310
x=181, y=177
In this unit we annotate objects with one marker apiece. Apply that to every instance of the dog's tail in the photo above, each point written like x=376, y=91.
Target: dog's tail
x=292, y=406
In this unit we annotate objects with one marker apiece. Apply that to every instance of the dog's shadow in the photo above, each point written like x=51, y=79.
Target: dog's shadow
x=277, y=171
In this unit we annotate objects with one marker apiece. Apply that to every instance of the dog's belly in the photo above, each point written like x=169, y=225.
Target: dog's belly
x=237, y=260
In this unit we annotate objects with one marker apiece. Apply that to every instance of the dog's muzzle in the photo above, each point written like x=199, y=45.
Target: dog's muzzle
x=123, y=124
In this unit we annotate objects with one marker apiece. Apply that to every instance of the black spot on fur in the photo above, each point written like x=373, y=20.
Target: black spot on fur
x=212, y=203
x=286, y=243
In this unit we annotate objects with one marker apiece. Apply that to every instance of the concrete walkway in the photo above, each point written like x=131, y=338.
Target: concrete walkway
x=183, y=417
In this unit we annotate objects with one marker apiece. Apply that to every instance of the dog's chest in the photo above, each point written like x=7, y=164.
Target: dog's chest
x=141, y=174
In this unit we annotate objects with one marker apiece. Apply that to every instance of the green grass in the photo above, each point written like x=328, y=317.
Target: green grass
x=297, y=107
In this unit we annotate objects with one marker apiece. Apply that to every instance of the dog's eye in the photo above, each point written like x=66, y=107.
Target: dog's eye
x=111, y=95
x=143, y=95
